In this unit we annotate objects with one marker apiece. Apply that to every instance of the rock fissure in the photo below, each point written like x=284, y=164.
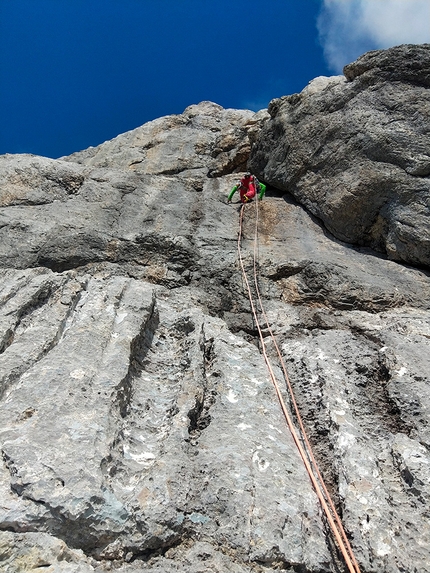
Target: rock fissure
x=139, y=349
x=45, y=301
x=199, y=415
x=39, y=299
x=7, y=340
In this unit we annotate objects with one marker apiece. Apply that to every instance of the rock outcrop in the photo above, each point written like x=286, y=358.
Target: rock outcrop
x=138, y=426
x=206, y=140
x=355, y=151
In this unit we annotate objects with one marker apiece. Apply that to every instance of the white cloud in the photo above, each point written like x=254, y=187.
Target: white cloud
x=348, y=28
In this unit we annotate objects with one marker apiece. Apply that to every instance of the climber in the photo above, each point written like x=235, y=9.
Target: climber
x=248, y=186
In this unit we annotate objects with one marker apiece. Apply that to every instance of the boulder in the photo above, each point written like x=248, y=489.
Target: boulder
x=354, y=150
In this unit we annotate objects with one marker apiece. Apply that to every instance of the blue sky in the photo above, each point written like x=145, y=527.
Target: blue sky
x=74, y=73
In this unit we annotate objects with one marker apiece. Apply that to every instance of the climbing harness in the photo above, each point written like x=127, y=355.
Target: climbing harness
x=305, y=450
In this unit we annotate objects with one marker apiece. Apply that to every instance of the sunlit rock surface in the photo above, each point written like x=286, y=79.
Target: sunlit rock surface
x=139, y=428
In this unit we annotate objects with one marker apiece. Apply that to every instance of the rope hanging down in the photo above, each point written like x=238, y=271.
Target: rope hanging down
x=306, y=452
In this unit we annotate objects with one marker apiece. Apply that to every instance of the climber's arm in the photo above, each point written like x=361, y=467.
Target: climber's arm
x=232, y=192
x=262, y=191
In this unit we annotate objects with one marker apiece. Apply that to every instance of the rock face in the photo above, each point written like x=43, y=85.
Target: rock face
x=138, y=426
x=205, y=140
x=355, y=151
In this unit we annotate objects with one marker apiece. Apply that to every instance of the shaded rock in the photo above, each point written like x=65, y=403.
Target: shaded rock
x=310, y=267
x=406, y=63
x=354, y=151
x=39, y=551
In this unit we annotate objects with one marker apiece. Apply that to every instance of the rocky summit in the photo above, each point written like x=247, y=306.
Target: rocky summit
x=139, y=427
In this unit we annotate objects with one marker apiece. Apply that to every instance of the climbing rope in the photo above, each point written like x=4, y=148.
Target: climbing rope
x=305, y=452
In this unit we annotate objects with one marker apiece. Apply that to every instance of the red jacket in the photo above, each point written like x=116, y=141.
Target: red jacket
x=246, y=188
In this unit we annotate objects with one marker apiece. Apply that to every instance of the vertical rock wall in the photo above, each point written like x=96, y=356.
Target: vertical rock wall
x=139, y=429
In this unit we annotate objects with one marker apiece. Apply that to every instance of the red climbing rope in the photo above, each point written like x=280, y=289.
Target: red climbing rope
x=305, y=453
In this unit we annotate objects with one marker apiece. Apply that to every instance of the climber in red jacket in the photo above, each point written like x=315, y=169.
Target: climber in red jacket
x=248, y=186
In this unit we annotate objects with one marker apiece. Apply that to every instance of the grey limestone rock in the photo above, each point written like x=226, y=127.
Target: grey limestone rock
x=355, y=151
x=205, y=139
x=40, y=552
x=139, y=429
